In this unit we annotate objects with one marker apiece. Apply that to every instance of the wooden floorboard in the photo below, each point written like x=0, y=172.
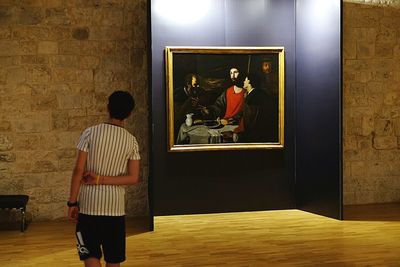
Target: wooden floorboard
x=369, y=236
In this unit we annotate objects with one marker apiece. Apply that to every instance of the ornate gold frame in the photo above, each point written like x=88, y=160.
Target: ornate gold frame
x=169, y=55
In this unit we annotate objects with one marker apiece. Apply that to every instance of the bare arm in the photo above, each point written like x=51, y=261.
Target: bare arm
x=132, y=177
x=76, y=182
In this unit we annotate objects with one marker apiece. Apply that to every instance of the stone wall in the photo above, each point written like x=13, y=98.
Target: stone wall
x=371, y=91
x=392, y=3
x=59, y=60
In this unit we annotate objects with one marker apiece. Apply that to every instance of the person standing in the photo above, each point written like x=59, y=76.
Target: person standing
x=108, y=158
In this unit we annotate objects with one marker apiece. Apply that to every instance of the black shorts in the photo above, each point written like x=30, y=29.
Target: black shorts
x=97, y=234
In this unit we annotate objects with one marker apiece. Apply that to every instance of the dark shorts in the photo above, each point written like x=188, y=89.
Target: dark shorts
x=101, y=234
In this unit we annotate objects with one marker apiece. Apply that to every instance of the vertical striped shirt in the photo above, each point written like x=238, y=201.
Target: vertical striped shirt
x=109, y=148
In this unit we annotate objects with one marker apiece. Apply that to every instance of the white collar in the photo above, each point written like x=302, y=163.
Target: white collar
x=237, y=89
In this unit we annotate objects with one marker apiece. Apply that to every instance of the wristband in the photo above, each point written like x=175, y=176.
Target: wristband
x=72, y=204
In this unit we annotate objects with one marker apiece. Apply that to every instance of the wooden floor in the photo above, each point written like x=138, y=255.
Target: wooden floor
x=369, y=236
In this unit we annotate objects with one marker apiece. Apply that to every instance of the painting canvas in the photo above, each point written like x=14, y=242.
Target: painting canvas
x=225, y=98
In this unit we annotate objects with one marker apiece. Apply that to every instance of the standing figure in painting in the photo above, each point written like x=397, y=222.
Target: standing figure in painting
x=256, y=124
x=229, y=105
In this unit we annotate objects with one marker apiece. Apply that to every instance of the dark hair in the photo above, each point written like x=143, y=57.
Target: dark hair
x=255, y=80
x=120, y=105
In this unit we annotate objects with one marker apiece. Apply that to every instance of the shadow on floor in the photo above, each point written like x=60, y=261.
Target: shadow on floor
x=137, y=225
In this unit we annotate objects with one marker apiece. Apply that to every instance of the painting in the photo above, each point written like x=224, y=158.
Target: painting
x=225, y=98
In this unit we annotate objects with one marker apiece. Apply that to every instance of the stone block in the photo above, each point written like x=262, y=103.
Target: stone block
x=64, y=154
x=5, y=126
x=33, y=123
x=108, y=17
x=5, y=33
x=83, y=3
x=59, y=33
x=74, y=101
x=67, y=164
x=32, y=3
x=6, y=61
x=47, y=47
x=383, y=127
x=382, y=76
x=30, y=60
x=396, y=51
x=45, y=166
x=16, y=103
x=350, y=49
x=30, y=33
x=69, y=139
x=8, y=48
x=7, y=157
x=16, y=75
x=57, y=16
x=375, y=88
x=5, y=143
x=365, y=50
x=387, y=35
x=350, y=143
x=64, y=75
x=70, y=47
x=38, y=74
x=64, y=61
x=85, y=76
x=59, y=120
x=8, y=15
x=9, y=185
x=35, y=141
x=53, y=3
x=384, y=50
x=391, y=98
x=363, y=76
x=44, y=102
x=30, y=15
x=77, y=123
x=89, y=62
x=384, y=142
x=107, y=33
x=113, y=3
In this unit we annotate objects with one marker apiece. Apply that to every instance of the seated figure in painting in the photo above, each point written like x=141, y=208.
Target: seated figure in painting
x=257, y=123
x=189, y=99
x=229, y=105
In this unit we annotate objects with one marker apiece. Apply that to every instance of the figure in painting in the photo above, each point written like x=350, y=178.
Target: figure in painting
x=190, y=99
x=229, y=105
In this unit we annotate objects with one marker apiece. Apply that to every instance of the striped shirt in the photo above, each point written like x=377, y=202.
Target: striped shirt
x=109, y=148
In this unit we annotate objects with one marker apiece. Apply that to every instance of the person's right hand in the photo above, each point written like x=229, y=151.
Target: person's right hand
x=224, y=121
x=205, y=111
x=73, y=213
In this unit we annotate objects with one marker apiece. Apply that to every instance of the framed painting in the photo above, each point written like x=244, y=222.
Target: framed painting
x=225, y=98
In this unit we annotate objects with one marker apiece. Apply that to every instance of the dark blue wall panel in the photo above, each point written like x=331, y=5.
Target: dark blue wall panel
x=219, y=181
x=307, y=173
x=318, y=102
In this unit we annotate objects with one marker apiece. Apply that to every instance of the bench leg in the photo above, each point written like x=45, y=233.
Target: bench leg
x=23, y=222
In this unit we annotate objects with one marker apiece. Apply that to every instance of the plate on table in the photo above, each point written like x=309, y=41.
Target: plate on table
x=212, y=124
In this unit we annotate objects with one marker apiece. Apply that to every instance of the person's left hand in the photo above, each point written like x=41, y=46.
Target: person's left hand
x=194, y=101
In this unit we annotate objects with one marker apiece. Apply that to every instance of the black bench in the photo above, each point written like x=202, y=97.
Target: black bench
x=15, y=202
